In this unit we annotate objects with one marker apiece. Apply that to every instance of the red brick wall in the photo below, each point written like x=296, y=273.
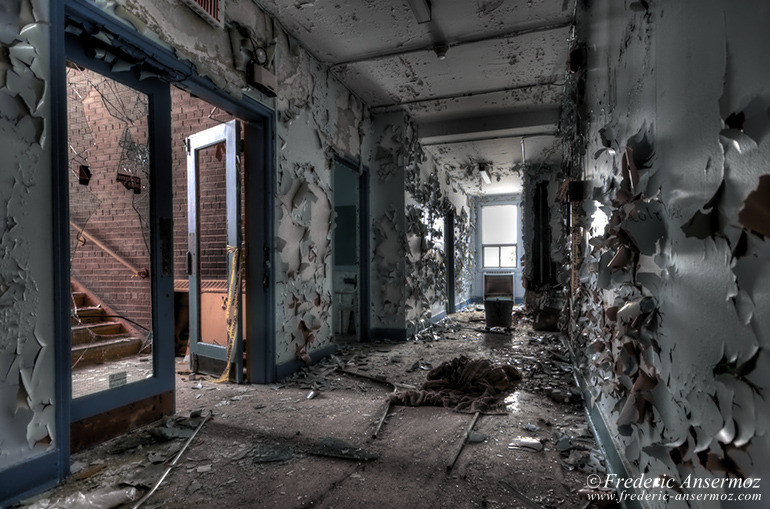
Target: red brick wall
x=101, y=113
x=97, y=122
x=190, y=115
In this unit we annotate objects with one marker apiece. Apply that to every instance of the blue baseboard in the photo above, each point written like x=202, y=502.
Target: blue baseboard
x=294, y=365
x=613, y=459
x=464, y=304
x=438, y=317
x=392, y=334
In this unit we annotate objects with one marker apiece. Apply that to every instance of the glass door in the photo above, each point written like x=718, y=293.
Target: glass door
x=120, y=245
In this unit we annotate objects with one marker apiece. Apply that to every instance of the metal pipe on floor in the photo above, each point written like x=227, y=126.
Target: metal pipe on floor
x=173, y=463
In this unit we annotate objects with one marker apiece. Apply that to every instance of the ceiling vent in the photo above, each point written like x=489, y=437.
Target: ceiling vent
x=210, y=10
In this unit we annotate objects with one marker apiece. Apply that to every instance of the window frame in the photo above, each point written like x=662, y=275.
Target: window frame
x=499, y=247
x=499, y=257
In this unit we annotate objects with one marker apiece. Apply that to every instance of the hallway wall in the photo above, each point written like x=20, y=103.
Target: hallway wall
x=670, y=320
x=27, y=401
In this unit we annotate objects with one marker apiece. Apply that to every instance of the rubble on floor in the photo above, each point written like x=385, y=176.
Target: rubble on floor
x=272, y=446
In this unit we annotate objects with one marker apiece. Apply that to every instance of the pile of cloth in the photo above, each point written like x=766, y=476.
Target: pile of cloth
x=464, y=385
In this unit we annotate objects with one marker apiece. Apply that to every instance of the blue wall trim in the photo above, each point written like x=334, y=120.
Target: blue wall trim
x=291, y=367
x=613, y=459
x=29, y=478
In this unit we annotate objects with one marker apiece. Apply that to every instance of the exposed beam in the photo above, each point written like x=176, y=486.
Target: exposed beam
x=421, y=10
x=508, y=124
x=460, y=42
x=551, y=83
x=492, y=138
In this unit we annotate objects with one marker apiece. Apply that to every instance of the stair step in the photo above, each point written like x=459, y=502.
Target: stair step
x=104, y=351
x=90, y=314
x=80, y=298
x=89, y=333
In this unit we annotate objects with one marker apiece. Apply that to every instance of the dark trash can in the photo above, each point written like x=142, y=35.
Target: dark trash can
x=498, y=311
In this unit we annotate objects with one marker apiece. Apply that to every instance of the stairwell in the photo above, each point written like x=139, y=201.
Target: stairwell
x=97, y=335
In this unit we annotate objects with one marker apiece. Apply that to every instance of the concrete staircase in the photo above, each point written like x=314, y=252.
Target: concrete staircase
x=96, y=337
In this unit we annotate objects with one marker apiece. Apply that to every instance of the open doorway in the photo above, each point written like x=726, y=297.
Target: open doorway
x=350, y=308
x=126, y=233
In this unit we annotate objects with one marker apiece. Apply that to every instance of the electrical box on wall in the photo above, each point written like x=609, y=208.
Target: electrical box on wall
x=262, y=79
x=210, y=10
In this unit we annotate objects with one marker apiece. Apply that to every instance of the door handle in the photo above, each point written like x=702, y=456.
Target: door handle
x=189, y=263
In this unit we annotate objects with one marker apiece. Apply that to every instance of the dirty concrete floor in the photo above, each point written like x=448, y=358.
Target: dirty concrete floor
x=229, y=463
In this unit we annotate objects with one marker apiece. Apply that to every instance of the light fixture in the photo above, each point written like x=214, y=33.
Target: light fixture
x=440, y=50
x=260, y=55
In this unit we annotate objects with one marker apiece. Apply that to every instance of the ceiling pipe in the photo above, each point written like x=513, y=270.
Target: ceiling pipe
x=465, y=94
x=491, y=138
x=460, y=42
x=421, y=10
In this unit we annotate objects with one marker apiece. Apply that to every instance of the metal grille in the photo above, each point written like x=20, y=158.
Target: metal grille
x=210, y=10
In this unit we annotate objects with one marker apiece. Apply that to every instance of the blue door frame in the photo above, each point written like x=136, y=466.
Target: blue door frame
x=48, y=469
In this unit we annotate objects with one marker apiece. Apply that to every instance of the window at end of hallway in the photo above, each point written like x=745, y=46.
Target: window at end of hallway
x=498, y=236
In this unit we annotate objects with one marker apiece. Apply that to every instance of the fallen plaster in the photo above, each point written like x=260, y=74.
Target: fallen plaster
x=26, y=356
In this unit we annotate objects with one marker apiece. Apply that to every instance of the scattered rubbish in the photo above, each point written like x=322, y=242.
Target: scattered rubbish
x=203, y=469
x=131, y=442
x=424, y=366
x=521, y=496
x=460, y=448
x=562, y=441
x=337, y=448
x=264, y=453
x=312, y=394
x=531, y=427
x=89, y=471
x=102, y=498
x=236, y=398
x=156, y=457
x=169, y=433
x=240, y=453
x=198, y=386
x=528, y=443
x=474, y=437
x=560, y=396
x=76, y=467
x=259, y=406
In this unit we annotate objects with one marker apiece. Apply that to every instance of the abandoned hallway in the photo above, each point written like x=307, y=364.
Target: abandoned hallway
x=445, y=253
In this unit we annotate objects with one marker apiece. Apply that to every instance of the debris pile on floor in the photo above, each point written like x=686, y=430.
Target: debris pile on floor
x=465, y=385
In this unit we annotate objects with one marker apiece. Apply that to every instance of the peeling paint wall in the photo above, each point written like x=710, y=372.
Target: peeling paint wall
x=26, y=265
x=675, y=268
x=317, y=117
x=429, y=198
x=387, y=207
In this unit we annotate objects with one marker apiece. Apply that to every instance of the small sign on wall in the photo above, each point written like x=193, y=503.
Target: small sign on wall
x=118, y=379
x=130, y=182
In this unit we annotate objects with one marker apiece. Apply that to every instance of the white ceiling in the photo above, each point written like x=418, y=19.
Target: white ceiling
x=501, y=77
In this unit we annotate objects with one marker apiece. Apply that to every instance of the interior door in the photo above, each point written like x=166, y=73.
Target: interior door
x=216, y=295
